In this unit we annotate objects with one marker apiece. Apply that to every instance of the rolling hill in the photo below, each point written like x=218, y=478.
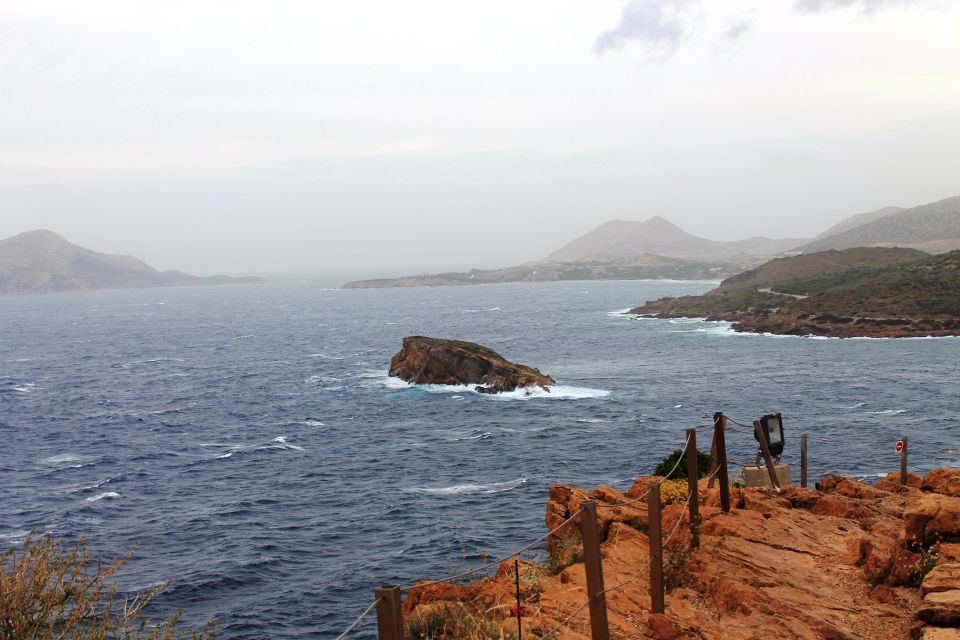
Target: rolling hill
x=44, y=262
x=623, y=239
x=871, y=291
x=934, y=228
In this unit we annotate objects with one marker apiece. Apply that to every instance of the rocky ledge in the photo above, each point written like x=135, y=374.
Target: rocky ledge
x=425, y=360
x=845, y=560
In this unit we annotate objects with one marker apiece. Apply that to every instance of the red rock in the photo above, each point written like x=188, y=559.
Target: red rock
x=943, y=577
x=933, y=518
x=941, y=608
x=437, y=361
x=942, y=480
x=660, y=627
x=891, y=481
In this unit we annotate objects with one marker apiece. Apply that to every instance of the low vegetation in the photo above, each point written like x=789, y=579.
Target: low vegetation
x=455, y=621
x=49, y=591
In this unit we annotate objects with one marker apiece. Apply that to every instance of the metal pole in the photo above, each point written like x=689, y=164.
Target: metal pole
x=803, y=461
x=719, y=424
x=593, y=566
x=765, y=449
x=389, y=616
x=655, y=534
x=692, y=477
x=903, y=462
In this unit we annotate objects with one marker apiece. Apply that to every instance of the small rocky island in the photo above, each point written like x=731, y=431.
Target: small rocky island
x=881, y=292
x=424, y=360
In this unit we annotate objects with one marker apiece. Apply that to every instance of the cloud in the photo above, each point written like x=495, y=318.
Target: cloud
x=657, y=25
x=737, y=29
x=868, y=6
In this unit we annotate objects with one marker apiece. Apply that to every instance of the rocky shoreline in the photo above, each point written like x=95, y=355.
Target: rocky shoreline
x=844, y=560
x=829, y=326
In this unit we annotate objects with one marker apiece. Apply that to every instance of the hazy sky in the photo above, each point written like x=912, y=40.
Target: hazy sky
x=254, y=137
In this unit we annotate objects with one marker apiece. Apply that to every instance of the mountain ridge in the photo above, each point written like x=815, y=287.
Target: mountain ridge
x=42, y=261
x=617, y=239
x=933, y=227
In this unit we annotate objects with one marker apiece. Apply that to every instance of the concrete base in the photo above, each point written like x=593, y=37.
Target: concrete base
x=760, y=477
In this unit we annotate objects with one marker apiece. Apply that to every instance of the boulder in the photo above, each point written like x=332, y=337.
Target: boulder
x=943, y=577
x=941, y=608
x=933, y=518
x=437, y=361
x=942, y=480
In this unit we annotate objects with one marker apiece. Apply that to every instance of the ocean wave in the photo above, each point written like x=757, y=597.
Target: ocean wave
x=459, y=489
x=888, y=412
x=476, y=435
x=312, y=423
x=556, y=392
x=327, y=356
x=107, y=495
x=857, y=406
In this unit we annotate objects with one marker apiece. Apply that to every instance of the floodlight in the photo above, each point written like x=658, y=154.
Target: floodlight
x=772, y=425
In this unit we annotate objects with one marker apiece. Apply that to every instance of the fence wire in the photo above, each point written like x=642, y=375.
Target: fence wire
x=363, y=615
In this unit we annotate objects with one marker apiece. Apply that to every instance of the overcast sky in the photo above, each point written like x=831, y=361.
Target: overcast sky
x=257, y=137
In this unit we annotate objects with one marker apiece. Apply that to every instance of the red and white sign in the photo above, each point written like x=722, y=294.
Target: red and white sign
x=899, y=446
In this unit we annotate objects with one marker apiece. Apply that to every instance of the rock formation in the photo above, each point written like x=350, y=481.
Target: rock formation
x=844, y=560
x=437, y=361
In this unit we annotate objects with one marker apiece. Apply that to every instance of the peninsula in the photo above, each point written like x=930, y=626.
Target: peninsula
x=861, y=292
x=44, y=262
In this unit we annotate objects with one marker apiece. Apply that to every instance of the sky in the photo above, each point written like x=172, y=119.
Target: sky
x=251, y=137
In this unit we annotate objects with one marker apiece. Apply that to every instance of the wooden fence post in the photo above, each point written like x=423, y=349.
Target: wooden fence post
x=903, y=462
x=765, y=450
x=389, y=616
x=713, y=458
x=719, y=423
x=593, y=565
x=692, y=476
x=655, y=534
x=803, y=461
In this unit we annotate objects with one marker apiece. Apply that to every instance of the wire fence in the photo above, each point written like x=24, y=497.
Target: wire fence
x=685, y=514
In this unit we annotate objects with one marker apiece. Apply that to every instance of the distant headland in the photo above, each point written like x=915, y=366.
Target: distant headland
x=658, y=249
x=43, y=262
x=863, y=292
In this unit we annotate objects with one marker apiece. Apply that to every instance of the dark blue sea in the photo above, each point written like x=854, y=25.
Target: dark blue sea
x=248, y=442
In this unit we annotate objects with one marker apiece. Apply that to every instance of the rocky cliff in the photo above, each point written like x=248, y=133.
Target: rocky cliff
x=845, y=560
x=437, y=361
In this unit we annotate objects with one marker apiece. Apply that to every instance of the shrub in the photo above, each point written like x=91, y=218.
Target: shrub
x=673, y=491
x=662, y=469
x=48, y=592
x=455, y=622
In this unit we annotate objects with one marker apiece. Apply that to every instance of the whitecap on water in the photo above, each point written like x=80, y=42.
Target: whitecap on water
x=557, y=392
x=458, y=489
x=888, y=412
x=107, y=495
x=312, y=423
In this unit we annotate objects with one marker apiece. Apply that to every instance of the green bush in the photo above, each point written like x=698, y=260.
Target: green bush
x=662, y=469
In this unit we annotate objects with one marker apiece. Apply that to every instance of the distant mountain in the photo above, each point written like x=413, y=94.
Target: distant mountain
x=624, y=239
x=860, y=219
x=44, y=262
x=934, y=228
x=865, y=291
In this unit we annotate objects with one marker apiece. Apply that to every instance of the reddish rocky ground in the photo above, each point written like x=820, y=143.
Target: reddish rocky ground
x=845, y=560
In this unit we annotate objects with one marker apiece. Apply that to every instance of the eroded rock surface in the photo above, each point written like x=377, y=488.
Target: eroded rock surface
x=803, y=563
x=426, y=360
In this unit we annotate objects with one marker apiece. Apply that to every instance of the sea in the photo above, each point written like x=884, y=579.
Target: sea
x=248, y=443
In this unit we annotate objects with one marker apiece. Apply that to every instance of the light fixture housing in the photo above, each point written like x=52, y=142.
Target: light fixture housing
x=772, y=425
